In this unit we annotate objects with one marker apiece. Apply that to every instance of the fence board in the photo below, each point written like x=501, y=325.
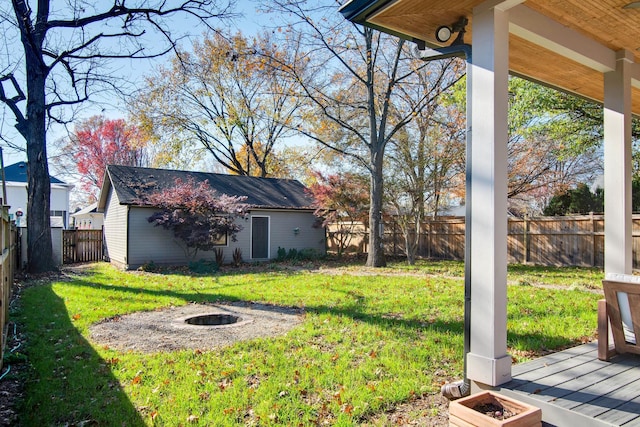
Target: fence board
x=82, y=246
x=576, y=240
x=8, y=264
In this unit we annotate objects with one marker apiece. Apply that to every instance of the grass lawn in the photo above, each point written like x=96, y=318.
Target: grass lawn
x=367, y=343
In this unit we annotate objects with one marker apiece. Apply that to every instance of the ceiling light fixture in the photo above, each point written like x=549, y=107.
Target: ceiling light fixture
x=443, y=34
x=632, y=5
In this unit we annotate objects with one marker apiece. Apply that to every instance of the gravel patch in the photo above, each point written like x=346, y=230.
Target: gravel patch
x=166, y=330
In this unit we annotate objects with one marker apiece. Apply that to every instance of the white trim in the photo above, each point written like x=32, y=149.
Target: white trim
x=501, y=5
x=268, y=235
x=537, y=28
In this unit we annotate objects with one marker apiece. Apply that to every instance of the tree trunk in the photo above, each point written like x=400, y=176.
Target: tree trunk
x=39, y=248
x=375, y=257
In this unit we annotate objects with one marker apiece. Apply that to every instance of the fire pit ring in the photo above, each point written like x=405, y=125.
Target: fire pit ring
x=213, y=319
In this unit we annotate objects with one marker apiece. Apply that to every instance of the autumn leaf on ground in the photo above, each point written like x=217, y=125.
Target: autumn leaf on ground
x=76, y=316
x=224, y=384
x=136, y=380
x=347, y=408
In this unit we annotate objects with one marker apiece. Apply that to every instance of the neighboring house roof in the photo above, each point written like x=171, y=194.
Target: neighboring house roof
x=131, y=183
x=87, y=210
x=17, y=172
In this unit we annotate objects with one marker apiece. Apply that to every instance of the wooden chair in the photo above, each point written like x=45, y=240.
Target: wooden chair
x=619, y=316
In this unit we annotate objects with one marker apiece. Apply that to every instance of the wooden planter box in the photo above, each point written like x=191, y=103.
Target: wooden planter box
x=462, y=414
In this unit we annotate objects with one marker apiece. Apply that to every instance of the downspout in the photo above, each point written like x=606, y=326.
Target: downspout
x=459, y=49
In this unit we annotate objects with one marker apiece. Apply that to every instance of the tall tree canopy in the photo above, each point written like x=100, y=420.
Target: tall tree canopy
x=59, y=55
x=226, y=99
x=553, y=143
x=350, y=78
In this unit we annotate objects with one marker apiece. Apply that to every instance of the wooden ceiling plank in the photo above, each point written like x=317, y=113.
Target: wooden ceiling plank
x=541, y=30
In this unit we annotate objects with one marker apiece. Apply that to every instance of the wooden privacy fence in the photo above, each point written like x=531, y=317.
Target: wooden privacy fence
x=8, y=262
x=576, y=240
x=81, y=246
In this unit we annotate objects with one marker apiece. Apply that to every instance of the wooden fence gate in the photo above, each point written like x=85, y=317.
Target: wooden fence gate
x=81, y=246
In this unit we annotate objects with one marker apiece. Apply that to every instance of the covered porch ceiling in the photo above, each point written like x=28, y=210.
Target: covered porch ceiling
x=566, y=44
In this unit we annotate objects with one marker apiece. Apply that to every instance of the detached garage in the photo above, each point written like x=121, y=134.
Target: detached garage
x=280, y=215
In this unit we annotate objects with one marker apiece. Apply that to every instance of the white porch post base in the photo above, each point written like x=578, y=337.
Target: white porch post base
x=488, y=371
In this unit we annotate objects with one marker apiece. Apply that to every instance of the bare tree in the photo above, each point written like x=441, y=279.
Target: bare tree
x=425, y=166
x=64, y=57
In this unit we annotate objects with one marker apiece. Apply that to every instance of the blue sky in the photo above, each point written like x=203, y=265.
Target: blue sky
x=136, y=71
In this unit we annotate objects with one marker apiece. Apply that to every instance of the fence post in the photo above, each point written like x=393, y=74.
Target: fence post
x=593, y=239
x=395, y=243
x=525, y=239
x=428, y=238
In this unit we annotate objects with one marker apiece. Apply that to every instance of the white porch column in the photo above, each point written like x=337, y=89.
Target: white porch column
x=617, y=166
x=488, y=362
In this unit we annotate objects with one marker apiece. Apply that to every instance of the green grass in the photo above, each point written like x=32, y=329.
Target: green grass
x=366, y=344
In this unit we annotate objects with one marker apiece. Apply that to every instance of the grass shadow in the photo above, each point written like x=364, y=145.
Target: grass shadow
x=535, y=342
x=67, y=382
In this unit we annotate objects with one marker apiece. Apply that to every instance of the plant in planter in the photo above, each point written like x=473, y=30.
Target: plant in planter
x=492, y=409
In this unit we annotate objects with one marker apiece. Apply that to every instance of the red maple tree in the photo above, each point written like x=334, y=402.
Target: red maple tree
x=100, y=142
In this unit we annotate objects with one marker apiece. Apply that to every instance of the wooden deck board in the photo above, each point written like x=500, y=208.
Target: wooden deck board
x=575, y=388
x=585, y=388
x=550, y=359
x=608, y=407
x=565, y=383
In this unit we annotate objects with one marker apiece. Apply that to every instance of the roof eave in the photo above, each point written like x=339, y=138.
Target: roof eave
x=358, y=11
x=251, y=207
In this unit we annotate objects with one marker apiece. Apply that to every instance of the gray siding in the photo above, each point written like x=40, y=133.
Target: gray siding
x=282, y=225
x=151, y=244
x=115, y=229
x=148, y=243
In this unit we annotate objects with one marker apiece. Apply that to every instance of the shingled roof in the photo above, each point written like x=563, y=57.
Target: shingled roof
x=17, y=172
x=131, y=183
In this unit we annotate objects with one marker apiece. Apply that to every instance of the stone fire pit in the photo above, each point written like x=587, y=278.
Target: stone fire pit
x=194, y=326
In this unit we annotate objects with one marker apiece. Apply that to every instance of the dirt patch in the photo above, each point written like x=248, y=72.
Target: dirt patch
x=167, y=330
x=431, y=410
